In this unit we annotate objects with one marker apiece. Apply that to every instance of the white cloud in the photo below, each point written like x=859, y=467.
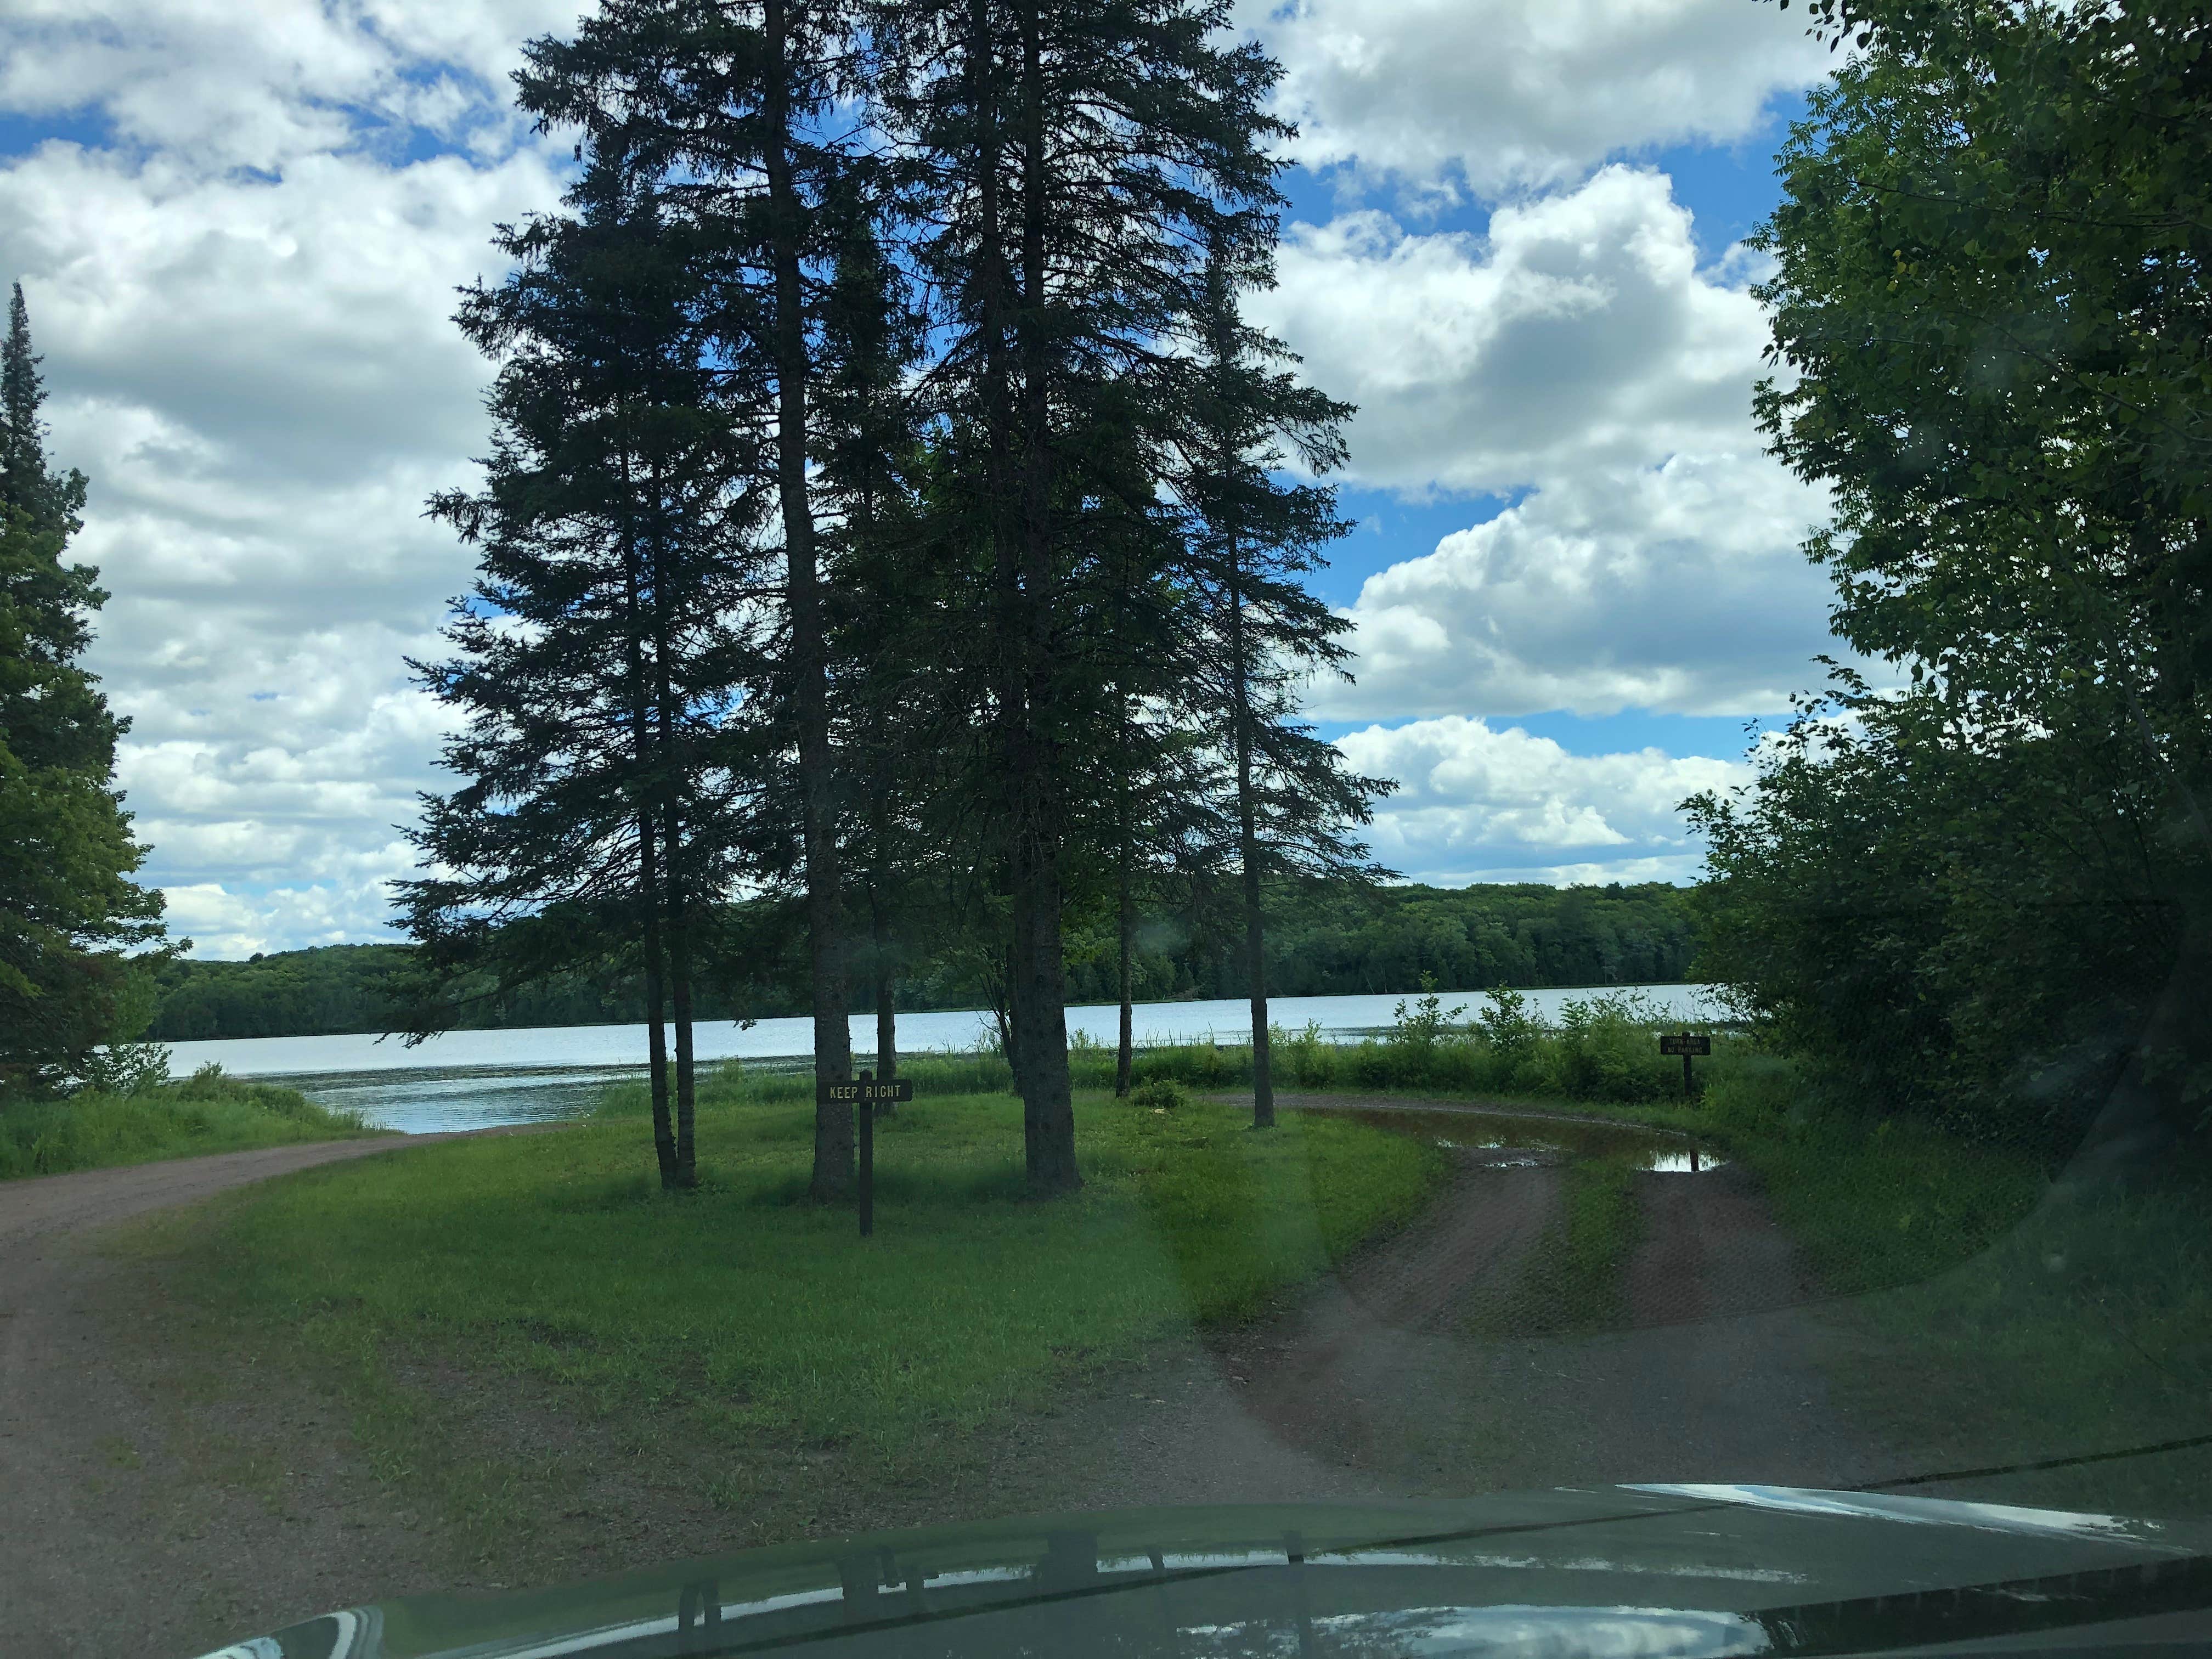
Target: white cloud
x=1678, y=589
x=259, y=372
x=1577, y=352
x=1515, y=93
x=216, y=84
x=1476, y=803
x=1578, y=333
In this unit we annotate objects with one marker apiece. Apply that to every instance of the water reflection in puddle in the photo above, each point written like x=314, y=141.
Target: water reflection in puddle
x=1693, y=1162
x=1546, y=1139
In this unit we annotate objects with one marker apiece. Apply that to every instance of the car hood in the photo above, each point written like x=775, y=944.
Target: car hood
x=1617, y=1571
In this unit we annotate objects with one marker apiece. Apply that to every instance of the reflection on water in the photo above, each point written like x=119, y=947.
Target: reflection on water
x=1693, y=1162
x=431, y=1101
x=1543, y=1139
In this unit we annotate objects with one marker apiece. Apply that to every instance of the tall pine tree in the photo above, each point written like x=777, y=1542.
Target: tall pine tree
x=1074, y=158
x=69, y=914
x=1261, y=631
x=619, y=529
x=737, y=98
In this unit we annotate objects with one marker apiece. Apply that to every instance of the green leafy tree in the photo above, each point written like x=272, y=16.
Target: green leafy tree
x=1991, y=299
x=70, y=916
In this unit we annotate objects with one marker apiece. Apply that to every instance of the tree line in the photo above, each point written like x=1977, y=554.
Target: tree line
x=1322, y=940
x=892, y=519
x=1984, y=893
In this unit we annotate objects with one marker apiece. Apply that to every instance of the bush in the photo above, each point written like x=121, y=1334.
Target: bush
x=1160, y=1094
x=127, y=1068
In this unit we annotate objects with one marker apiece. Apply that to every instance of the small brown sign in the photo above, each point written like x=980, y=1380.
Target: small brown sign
x=1684, y=1042
x=866, y=1093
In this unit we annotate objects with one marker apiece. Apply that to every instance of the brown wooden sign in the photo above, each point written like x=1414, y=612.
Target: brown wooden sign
x=865, y=1092
x=1685, y=1043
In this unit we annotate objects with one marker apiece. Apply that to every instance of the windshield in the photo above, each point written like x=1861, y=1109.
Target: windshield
x=1365, y=825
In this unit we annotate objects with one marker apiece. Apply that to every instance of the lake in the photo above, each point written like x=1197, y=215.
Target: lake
x=474, y=1079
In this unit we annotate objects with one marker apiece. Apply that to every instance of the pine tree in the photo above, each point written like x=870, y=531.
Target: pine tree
x=1074, y=156
x=733, y=95
x=68, y=912
x=619, y=528
x=1253, y=537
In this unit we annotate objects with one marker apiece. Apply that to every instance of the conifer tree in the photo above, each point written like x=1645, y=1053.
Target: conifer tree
x=1074, y=157
x=619, y=532
x=1253, y=536
x=69, y=911
x=736, y=97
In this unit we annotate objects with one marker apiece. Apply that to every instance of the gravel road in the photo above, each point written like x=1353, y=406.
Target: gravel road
x=119, y=1532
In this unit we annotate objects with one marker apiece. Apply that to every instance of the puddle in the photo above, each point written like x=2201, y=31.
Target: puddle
x=1546, y=1139
x=1693, y=1162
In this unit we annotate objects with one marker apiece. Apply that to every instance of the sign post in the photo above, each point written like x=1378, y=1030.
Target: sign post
x=1686, y=1043
x=862, y=1094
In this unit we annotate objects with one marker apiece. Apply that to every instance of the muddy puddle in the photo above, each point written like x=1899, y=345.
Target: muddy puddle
x=1503, y=1138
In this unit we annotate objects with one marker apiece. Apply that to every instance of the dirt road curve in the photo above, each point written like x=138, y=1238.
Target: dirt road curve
x=112, y=1539
x=93, y=1198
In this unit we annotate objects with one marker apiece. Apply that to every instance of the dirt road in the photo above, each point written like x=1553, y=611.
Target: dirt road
x=121, y=1529
x=1376, y=1378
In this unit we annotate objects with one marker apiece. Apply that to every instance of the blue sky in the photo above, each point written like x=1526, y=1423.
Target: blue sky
x=1512, y=242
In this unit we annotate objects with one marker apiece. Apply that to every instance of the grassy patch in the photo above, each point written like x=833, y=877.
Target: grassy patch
x=2086, y=1329
x=209, y=1113
x=746, y=1309
x=1994, y=1317
x=1889, y=1204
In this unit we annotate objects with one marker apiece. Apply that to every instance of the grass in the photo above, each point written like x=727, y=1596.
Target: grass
x=1988, y=1315
x=749, y=1310
x=2086, y=1329
x=209, y=1113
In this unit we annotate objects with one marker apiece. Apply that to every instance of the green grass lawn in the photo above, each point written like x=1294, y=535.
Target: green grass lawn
x=210, y=1113
x=750, y=1308
x=2086, y=1327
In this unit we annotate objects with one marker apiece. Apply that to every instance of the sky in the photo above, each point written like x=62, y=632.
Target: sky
x=1514, y=242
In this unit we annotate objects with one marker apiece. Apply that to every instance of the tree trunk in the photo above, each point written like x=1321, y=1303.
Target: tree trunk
x=673, y=875
x=1048, y=1095
x=886, y=988
x=1010, y=688
x=832, y=1175
x=648, y=864
x=1125, y=1050
x=679, y=987
x=887, y=1031
x=656, y=1039
x=1248, y=843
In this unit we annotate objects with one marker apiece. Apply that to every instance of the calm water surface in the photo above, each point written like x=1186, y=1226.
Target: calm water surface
x=474, y=1079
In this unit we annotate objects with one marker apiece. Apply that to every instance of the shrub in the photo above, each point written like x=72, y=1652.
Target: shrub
x=1159, y=1094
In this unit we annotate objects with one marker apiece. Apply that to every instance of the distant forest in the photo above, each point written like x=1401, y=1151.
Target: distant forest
x=1323, y=940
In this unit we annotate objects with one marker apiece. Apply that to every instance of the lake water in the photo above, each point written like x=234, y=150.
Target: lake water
x=474, y=1079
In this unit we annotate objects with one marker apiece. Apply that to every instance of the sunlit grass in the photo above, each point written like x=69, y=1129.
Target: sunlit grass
x=750, y=1308
x=90, y=1131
